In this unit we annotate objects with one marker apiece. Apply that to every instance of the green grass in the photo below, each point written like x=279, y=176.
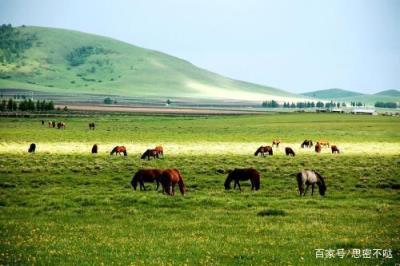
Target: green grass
x=80, y=209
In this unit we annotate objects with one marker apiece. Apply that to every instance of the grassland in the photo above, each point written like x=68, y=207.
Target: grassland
x=65, y=206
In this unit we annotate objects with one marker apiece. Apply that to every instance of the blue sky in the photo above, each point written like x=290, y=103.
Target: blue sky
x=298, y=46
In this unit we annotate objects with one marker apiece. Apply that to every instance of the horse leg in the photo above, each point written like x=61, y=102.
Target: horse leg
x=239, y=185
x=305, y=191
x=158, y=185
x=312, y=189
x=173, y=189
x=142, y=185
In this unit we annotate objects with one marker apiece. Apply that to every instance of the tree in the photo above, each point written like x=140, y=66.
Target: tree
x=168, y=101
x=108, y=100
x=320, y=104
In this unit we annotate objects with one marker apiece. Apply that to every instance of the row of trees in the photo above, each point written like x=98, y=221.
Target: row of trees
x=386, y=104
x=26, y=105
x=319, y=104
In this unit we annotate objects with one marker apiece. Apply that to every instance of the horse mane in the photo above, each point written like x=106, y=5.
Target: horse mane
x=114, y=150
x=144, y=154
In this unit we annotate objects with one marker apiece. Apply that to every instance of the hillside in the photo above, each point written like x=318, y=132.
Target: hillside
x=330, y=94
x=66, y=62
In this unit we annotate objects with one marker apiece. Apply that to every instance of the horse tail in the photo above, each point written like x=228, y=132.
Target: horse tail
x=257, y=182
x=181, y=184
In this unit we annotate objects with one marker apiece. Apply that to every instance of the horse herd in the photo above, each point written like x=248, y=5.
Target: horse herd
x=169, y=178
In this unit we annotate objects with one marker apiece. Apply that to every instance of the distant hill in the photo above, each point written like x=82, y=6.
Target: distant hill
x=68, y=62
x=351, y=96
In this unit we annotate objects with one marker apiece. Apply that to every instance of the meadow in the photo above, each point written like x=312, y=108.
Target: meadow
x=63, y=205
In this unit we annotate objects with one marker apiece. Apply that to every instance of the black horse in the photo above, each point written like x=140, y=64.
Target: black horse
x=150, y=153
x=241, y=175
x=289, y=151
x=146, y=175
x=307, y=143
x=94, y=149
x=32, y=148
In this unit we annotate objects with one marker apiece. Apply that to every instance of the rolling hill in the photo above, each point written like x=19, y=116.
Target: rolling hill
x=65, y=62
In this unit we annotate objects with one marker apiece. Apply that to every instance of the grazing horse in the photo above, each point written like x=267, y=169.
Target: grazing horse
x=276, y=142
x=119, y=150
x=263, y=150
x=32, y=148
x=150, y=153
x=335, y=149
x=160, y=150
x=94, y=149
x=61, y=125
x=146, y=175
x=92, y=126
x=307, y=178
x=318, y=148
x=241, y=175
x=42, y=122
x=307, y=143
x=323, y=143
x=53, y=124
x=169, y=178
x=289, y=151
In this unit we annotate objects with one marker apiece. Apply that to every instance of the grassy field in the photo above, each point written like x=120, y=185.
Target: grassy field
x=65, y=206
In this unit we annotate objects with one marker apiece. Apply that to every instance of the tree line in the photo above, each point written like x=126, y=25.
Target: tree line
x=25, y=105
x=386, y=104
x=319, y=104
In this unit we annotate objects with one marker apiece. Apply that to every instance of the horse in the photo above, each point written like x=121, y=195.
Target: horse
x=53, y=124
x=32, y=148
x=307, y=143
x=242, y=175
x=318, y=148
x=169, y=178
x=307, y=178
x=61, y=125
x=119, y=150
x=50, y=124
x=94, y=149
x=150, y=153
x=92, y=126
x=323, y=143
x=146, y=175
x=160, y=150
x=276, y=142
x=42, y=122
x=289, y=151
x=263, y=150
x=334, y=149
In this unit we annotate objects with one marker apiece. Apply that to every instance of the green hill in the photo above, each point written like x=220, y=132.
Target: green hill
x=69, y=62
x=390, y=93
x=331, y=94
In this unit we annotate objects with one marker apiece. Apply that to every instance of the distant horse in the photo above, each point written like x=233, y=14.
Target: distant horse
x=323, y=143
x=237, y=175
x=92, y=126
x=150, y=153
x=32, y=148
x=335, y=149
x=53, y=124
x=307, y=178
x=160, y=150
x=307, y=143
x=263, y=150
x=94, y=149
x=61, y=125
x=146, y=175
x=289, y=151
x=318, y=148
x=42, y=122
x=50, y=124
x=276, y=142
x=169, y=178
x=119, y=150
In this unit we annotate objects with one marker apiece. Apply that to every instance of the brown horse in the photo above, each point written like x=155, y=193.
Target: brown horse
x=334, y=149
x=289, y=151
x=92, y=126
x=160, y=150
x=61, y=125
x=119, y=150
x=169, y=178
x=323, y=143
x=241, y=175
x=146, y=175
x=276, y=142
x=94, y=149
x=150, y=153
x=263, y=150
x=307, y=178
x=32, y=148
x=318, y=148
x=307, y=143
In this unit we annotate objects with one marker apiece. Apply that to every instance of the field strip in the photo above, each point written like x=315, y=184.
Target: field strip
x=199, y=148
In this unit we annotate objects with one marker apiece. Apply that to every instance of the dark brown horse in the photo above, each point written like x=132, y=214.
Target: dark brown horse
x=307, y=178
x=264, y=149
x=92, y=126
x=237, y=175
x=335, y=149
x=94, y=149
x=61, y=125
x=119, y=150
x=150, y=153
x=276, y=142
x=32, y=148
x=289, y=151
x=146, y=175
x=318, y=148
x=307, y=143
x=169, y=178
